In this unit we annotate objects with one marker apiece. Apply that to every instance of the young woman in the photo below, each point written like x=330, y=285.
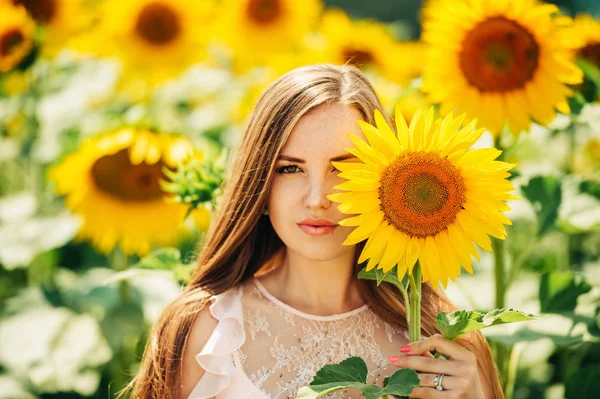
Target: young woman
x=275, y=295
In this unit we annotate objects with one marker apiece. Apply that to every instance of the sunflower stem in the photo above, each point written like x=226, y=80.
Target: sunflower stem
x=511, y=375
x=500, y=302
x=414, y=318
x=406, y=304
x=120, y=262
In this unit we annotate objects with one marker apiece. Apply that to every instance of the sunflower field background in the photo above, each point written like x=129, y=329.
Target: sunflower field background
x=118, y=119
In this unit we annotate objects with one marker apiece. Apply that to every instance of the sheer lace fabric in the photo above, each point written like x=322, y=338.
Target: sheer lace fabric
x=284, y=347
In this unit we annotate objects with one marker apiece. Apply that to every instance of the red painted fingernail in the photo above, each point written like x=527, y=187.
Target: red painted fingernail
x=393, y=358
x=405, y=349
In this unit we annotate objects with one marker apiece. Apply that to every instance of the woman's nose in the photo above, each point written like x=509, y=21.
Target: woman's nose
x=317, y=191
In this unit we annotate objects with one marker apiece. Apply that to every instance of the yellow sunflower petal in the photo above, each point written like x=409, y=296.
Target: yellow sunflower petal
x=358, y=185
x=362, y=232
x=390, y=138
x=402, y=129
x=393, y=251
x=375, y=139
x=470, y=228
x=370, y=152
x=375, y=244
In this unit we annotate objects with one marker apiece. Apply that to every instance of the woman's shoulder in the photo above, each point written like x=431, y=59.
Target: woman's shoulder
x=216, y=333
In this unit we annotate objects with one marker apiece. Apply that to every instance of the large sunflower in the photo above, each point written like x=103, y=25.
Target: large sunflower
x=421, y=195
x=254, y=30
x=17, y=33
x=112, y=182
x=504, y=61
x=156, y=39
x=61, y=19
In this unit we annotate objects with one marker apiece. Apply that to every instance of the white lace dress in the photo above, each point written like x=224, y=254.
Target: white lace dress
x=263, y=348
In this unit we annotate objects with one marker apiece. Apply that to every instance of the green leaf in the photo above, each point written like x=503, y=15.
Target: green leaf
x=559, y=291
x=183, y=272
x=401, y=383
x=576, y=103
x=526, y=335
x=590, y=187
x=379, y=276
x=590, y=88
x=160, y=259
x=460, y=322
x=352, y=369
x=133, y=273
x=352, y=373
x=583, y=383
x=545, y=194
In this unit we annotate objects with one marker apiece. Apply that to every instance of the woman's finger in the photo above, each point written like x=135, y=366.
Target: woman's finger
x=436, y=342
x=425, y=364
x=428, y=380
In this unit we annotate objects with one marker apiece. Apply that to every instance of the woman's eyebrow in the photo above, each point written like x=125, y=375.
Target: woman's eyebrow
x=298, y=160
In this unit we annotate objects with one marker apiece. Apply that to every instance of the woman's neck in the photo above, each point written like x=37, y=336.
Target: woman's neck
x=316, y=287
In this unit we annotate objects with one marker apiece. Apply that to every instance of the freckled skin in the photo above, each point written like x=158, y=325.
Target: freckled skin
x=318, y=136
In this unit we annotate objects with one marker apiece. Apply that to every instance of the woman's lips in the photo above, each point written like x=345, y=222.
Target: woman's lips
x=316, y=230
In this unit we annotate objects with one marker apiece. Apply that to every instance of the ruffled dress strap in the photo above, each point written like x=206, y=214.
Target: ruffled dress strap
x=216, y=358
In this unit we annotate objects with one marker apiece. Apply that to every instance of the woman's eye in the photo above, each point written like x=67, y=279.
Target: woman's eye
x=287, y=169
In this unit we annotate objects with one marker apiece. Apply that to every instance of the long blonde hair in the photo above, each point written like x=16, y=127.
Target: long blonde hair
x=241, y=241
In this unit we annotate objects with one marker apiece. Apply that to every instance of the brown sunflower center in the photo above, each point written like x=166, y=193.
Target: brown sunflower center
x=41, y=10
x=157, y=23
x=499, y=54
x=10, y=40
x=591, y=53
x=357, y=57
x=115, y=175
x=421, y=193
x=264, y=11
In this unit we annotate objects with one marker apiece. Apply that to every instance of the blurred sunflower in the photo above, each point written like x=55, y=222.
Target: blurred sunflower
x=255, y=30
x=17, y=33
x=112, y=182
x=504, y=61
x=409, y=61
x=587, y=30
x=365, y=44
x=421, y=195
x=61, y=19
x=155, y=39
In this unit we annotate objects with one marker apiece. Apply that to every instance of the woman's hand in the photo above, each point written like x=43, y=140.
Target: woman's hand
x=461, y=376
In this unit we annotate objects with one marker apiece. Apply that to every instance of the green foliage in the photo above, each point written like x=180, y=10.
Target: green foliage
x=583, y=383
x=379, y=276
x=559, y=291
x=576, y=102
x=163, y=261
x=196, y=182
x=460, y=322
x=544, y=193
x=590, y=187
x=527, y=335
x=590, y=88
x=352, y=373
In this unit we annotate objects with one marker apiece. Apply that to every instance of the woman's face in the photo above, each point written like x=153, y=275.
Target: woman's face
x=298, y=206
